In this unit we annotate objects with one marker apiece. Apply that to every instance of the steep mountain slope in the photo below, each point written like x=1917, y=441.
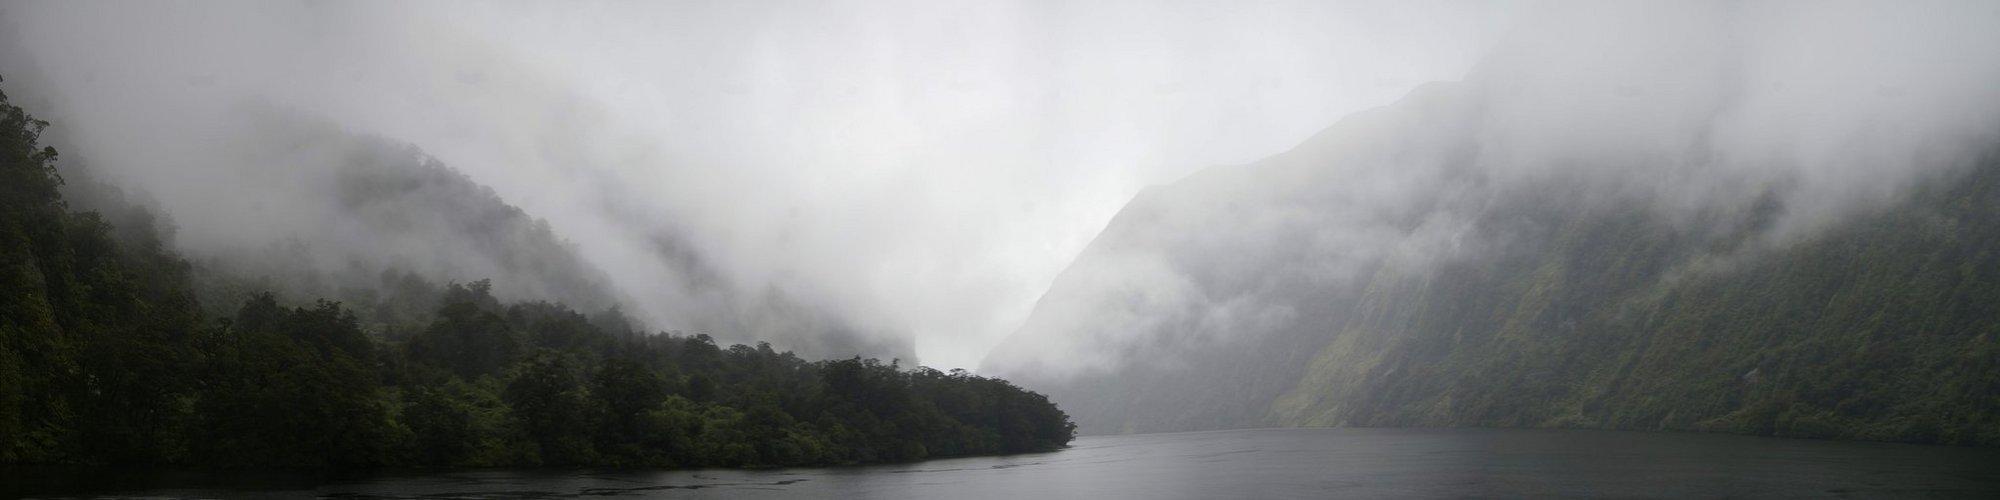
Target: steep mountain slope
x=106, y=358
x=323, y=212
x=1881, y=328
x=258, y=184
x=1640, y=230
x=364, y=213
x=92, y=332
x=1563, y=302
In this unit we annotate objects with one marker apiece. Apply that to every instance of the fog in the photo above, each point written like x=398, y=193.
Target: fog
x=924, y=168
x=925, y=171
x=1681, y=108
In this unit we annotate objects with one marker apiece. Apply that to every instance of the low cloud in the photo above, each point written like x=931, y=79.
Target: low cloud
x=1683, y=107
x=916, y=167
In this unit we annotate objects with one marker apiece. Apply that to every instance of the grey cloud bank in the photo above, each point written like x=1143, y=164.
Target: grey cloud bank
x=1835, y=107
x=918, y=168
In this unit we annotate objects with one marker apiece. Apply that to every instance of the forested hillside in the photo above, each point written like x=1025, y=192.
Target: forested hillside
x=1625, y=216
x=349, y=215
x=1580, y=302
x=1884, y=327
x=358, y=218
x=106, y=356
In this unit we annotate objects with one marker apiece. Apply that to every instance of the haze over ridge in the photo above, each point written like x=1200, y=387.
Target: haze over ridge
x=921, y=168
x=1621, y=210
x=1837, y=106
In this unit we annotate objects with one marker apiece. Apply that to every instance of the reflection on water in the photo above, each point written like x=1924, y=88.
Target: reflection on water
x=1272, y=463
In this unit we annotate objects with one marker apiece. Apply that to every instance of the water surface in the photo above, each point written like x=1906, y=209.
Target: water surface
x=1268, y=463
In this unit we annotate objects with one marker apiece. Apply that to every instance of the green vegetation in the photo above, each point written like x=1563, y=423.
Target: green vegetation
x=1585, y=306
x=1883, y=327
x=106, y=356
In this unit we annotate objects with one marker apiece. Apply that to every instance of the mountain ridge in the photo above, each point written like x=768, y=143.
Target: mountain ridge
x=1294, y=289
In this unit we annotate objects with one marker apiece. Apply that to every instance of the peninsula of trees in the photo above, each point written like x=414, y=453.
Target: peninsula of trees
x=110, y=352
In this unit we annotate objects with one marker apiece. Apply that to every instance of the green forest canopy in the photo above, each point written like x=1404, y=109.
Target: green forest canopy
x=107, y=357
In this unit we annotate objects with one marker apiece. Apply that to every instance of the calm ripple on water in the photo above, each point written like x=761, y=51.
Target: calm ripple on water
x=1267, y=463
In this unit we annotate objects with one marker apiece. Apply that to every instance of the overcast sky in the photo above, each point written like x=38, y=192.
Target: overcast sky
x=921, y=166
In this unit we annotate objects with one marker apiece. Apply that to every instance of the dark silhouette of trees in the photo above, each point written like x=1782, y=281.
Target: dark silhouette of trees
x=107, y=356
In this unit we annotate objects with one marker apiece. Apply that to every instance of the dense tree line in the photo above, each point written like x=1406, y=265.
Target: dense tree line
x=107, y=356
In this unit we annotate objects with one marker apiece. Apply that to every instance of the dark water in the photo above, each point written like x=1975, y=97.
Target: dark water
x=1277, y=463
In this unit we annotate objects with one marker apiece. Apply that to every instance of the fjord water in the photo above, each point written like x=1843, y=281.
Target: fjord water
x=1267, y=463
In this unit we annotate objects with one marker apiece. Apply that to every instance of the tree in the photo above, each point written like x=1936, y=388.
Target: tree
x=548, y=405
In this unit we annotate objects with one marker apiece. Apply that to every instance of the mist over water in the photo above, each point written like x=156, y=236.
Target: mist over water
x=608, y=248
